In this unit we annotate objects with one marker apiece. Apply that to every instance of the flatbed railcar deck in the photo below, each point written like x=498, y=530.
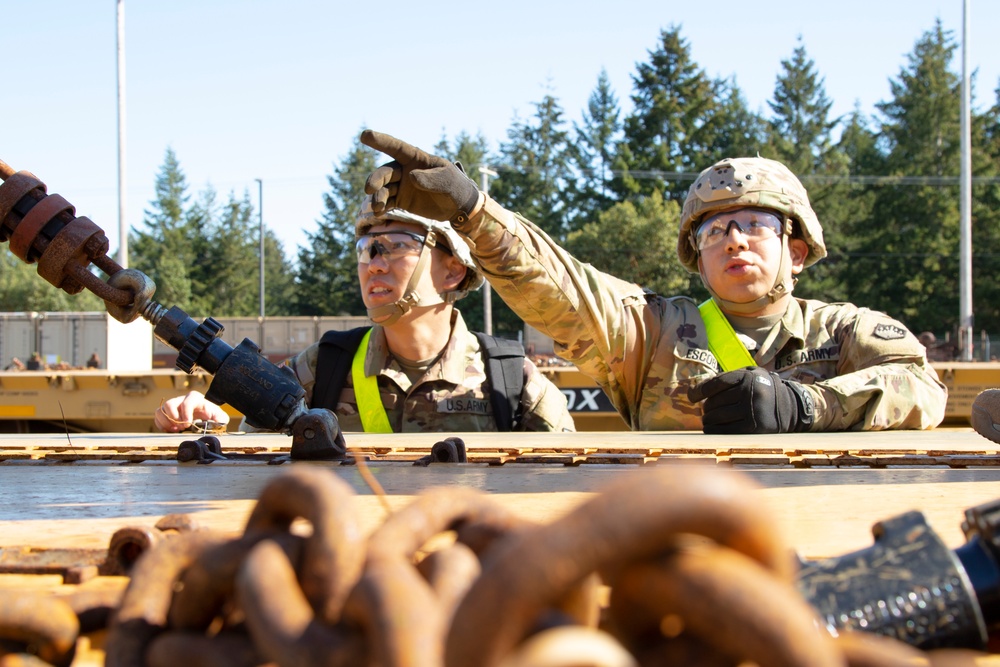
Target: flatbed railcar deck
x=824, y=491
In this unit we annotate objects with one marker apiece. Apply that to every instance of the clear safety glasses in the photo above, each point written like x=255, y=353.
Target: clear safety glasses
x=752, y=223
x=390, y=245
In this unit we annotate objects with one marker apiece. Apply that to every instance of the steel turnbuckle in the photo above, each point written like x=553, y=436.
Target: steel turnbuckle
x=43, y=229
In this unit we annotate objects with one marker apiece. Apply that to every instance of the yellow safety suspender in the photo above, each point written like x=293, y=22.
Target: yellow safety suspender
x=370, y=408
x=722, y=340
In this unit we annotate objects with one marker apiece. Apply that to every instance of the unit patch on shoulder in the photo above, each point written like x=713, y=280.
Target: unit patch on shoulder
x=889, y=332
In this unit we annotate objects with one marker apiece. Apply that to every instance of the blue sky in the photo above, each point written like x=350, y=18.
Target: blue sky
x=277, y=90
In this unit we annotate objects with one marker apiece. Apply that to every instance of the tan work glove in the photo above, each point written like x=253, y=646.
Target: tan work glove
x=418, y=182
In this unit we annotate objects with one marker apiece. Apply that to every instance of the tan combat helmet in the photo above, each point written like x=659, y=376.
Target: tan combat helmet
x=750, y=181
x=437, y=232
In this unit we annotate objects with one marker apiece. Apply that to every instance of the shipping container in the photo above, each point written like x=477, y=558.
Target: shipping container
x=69, y=339
x=18, y=337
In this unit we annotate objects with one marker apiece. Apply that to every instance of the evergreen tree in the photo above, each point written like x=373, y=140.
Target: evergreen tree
x=843, y=200
x=232, y=288
x=594, y=153
x=913, y=245
x=327, y=276
x=535, y=168
x=279, y=278
x=671, y=129
x=471, y=152
x=801, y=128
x=635, y=241
x=800, y=136
x=203, y=271
x=162, y=249
x=986, y=218
x=734, y=130
x=22, y=289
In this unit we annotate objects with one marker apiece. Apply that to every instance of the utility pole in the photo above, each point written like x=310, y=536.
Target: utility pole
x=260, y=212
x=484, y=184
x=122, y=224
x=965, y=318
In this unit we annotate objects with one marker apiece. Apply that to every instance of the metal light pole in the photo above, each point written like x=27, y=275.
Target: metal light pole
x=260, y=211
x=965, y=202
x=484, y=184
x=122, y=225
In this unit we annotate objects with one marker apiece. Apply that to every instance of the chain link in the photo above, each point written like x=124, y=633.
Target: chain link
x=668, y=566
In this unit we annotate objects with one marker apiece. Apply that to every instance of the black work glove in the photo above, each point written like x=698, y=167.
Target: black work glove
x=752, y=400
x=418, y=182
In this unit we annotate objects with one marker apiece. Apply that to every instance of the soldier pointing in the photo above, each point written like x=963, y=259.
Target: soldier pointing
x=752, y=359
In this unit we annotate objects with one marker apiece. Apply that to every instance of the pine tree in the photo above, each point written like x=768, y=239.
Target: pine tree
x=204, y=273
x=986, y=218
x=843, y=202
x=914, y=238
x=594, y=152
x=670, y=130
x=801, y=136
x=801, y=128
x=327, y=276
x=22, y=289
x=471, y=152
x=733, y=130
x=162, y=248
x=534, y=168
x=279, y=278
x=234, y=279
x=631, y=240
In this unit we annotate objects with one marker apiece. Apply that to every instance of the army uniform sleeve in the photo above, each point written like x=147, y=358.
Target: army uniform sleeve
x=884, y=380
x=595, y=319
x=543, y=405
x=303, y=365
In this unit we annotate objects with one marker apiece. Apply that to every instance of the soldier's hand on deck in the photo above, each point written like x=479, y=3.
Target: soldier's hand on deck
x=418, y=182
x=181, y=412
x=752, y=400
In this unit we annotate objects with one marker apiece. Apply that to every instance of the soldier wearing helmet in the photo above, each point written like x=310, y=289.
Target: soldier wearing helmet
x=418, y=368
x=752, y=359
x=771, y=201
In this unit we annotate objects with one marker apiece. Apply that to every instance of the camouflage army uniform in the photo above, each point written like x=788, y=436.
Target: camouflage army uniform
x=863, y=369
x=451, y=396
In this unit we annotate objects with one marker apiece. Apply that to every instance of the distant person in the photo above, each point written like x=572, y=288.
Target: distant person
x=418, y=369
x=752, y=359
x=35, y=363
x=94, y=361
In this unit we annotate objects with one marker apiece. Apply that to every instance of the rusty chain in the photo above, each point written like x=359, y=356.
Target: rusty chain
x=672, y=566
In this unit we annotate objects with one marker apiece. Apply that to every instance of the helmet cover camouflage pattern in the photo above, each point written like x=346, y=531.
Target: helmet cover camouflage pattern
x=750, y=181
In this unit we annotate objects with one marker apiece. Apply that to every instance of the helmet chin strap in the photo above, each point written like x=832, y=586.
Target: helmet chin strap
x=779, y=289
x=390, y=313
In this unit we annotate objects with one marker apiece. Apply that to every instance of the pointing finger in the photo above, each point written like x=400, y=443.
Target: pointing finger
x=406, y=154
x=396, y=148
